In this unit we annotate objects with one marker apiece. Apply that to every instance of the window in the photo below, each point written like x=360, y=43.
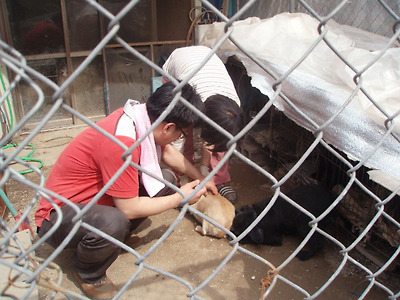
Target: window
x=56, y=36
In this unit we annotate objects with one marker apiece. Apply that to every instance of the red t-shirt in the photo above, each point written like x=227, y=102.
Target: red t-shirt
x=87, y=164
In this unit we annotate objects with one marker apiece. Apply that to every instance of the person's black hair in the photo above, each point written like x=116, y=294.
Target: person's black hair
x=227, y=114
x=181, y=115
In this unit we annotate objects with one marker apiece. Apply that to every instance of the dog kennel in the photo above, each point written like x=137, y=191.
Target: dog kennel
x=320, y=87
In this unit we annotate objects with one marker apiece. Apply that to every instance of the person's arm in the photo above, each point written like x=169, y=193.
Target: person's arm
x=175, y=159
x=205, y=160
x=140, y=207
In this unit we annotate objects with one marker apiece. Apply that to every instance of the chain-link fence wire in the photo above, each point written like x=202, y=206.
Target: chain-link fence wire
x=24, y=264
x=373, y=16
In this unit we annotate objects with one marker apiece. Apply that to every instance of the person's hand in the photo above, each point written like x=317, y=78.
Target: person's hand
x=188, y=189
x=210, y=186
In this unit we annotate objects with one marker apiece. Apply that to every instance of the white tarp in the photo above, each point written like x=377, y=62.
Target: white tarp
x=323, y=82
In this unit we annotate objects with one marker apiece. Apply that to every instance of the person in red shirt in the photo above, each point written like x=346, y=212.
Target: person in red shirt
x=85, y=177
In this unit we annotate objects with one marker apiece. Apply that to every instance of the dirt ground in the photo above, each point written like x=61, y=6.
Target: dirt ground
x=193, y=257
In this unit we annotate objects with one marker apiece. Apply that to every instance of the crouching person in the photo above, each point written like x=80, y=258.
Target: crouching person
x=90, y=161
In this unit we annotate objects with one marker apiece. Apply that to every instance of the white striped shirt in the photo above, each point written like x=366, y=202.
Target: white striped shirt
x=211, y=79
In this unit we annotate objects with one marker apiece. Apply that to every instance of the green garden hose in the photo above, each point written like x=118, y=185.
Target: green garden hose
x=27, y=157
x=11, y=125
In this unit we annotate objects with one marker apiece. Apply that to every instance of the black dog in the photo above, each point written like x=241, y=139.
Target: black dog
x=283, y=218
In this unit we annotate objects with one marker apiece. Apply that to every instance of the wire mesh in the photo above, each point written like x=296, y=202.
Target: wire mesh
x=371, y=213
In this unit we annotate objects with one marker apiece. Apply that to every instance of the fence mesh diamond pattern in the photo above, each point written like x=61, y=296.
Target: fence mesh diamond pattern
x=331, y=101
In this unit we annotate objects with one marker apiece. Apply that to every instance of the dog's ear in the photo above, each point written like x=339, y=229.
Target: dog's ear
x=243, y=219
x=259, y=206
x=257, y=235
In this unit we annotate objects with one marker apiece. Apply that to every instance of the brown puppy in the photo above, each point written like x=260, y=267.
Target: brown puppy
x=217, y=208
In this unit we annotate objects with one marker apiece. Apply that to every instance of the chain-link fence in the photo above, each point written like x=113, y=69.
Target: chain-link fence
x=329, y=99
